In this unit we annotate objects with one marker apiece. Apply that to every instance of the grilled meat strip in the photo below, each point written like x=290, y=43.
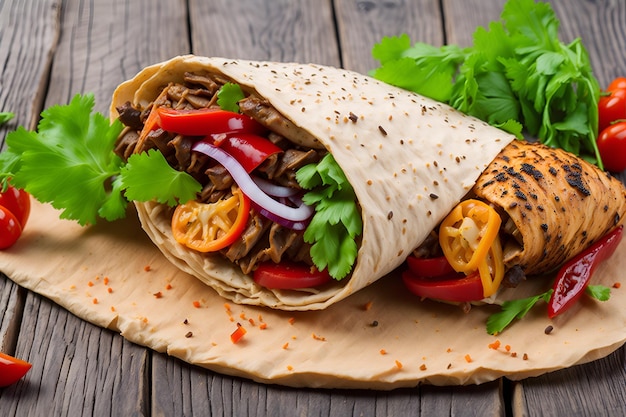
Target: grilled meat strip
x=553, y=204
x=262, y=240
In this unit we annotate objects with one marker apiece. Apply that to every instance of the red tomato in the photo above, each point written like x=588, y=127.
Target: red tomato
x=612, y=147
x=12, y=369
x=451, y=287
x=10, y=229
x=202, y=122
x=611, y=107
x=289, y=276
x=429, y=267
x=617, y=84
x=17, y=202
x=248, y=149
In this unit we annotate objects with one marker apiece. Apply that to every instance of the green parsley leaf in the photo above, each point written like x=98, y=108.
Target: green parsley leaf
x=514, y=309
x=599, y=292
x=69, y=162
x=516, y=73
x=337, y=223
x=5, y=116
x=148, y=176
x=228, y=97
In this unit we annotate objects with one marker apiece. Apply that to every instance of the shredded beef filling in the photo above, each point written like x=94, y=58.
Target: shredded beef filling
x=262, y=240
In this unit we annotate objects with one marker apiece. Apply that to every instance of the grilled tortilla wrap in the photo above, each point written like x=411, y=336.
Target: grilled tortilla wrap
x=409, y=160
x=554, y=204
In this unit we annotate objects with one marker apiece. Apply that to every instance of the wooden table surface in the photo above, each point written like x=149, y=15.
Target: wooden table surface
x=52, y=49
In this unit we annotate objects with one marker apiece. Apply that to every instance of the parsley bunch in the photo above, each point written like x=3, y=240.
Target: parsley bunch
x=517, y=76
x=337, y=222
x=69, y=162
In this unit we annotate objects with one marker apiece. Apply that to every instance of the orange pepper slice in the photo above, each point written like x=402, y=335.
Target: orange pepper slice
x=211, y=227
x=468, y=237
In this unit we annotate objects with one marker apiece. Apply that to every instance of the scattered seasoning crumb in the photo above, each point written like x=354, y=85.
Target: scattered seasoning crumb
x=449, y=350
x=449, y=366
x=507, y=348
x=525, y=357
x=227, y=306
x=292, y=320
x=196, y=304
x=548, y=329
x=168, y=287
x=147, y=268
x=316, y=337
x=90, y=284
x=353, y=117
x=238, y=333
x=617, y=285
x=260, y=318
x=158, y=294
x=374, y=323
x=109, y=290
x=514, y=354
x=382, y=130
x=112, y=309
x=468, y=358
x=495, y=345
x=95, y=301
x=423, y=367
x=105, y=281
x=398, y=364
x=251, y=321
x=188, y=335
x=383, y=352
x=286, y=346
x=289, y=368
x=185, y=321
x=367, y=306
x=263, y=326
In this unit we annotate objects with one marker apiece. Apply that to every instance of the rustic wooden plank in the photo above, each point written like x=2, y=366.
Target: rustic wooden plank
x=362, y=23
x=78, y=368
x=280, y=30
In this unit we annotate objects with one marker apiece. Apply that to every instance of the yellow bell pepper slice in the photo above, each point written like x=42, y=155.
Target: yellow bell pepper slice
x=468, y=237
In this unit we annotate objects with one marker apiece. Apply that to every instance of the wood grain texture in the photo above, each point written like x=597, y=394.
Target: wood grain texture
x=278, y=30
x=363, y=23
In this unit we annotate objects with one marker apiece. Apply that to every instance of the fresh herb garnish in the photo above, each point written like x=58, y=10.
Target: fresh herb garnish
x=517, y=75
x=228, y=97
x=337, y=222
x=69, y=162
x=5, y=116
x=517, y=309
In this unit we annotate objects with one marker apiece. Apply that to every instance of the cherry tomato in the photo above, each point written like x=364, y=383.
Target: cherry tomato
x=17, y=202
x=429, y=267
x=202, y=122
x=453, y=287
x=617, y=84
x=211, y=227
x=12, y=369
x=289, y=276
x=611, y=107
x=248, y=149
x=10, y=229
x=612, y=147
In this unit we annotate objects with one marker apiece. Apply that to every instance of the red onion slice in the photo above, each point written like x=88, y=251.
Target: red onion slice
x=274, y=190
x=292, y=217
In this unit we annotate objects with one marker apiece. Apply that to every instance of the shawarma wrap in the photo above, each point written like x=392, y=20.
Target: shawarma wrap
x=408, y=159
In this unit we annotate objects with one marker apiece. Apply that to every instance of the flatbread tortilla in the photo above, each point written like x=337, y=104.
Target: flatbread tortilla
x=409, y=159
x=379, y=338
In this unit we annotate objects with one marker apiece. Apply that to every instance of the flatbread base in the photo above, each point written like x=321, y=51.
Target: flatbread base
x=382, y=337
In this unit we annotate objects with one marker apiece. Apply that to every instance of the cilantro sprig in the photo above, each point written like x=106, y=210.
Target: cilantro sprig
x=337, y=223
x=517, y=75
x=69, y=162
x=517, y=309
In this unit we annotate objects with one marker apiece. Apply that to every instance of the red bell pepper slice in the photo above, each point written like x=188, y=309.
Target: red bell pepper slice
x=12, y=369
x=289, y=276
x=248, y=149
x=429, y=267
x=574, y=276
x=455, y=287
x=203, y=122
